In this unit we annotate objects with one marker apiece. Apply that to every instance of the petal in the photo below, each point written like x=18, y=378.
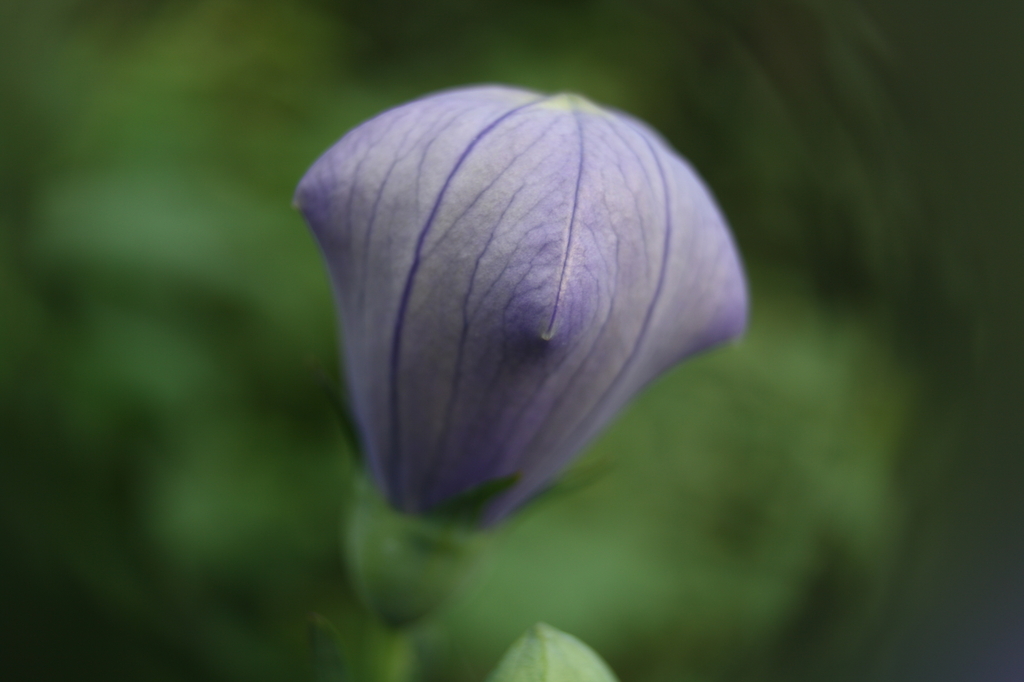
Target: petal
x=368, y=200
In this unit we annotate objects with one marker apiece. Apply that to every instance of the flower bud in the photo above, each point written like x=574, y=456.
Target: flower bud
x=545, y=654
x=509, y=270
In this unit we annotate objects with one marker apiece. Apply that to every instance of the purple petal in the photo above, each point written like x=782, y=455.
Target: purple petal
x=510, y=269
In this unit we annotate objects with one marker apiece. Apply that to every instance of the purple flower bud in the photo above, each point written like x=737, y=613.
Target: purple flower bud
x=509, y=270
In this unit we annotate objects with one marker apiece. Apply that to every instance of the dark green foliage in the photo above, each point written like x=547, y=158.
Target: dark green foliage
x=172, y=477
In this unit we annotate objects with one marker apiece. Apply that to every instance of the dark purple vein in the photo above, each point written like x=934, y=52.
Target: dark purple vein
x=395, y=480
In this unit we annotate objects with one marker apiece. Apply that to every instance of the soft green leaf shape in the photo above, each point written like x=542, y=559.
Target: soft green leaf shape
x=327, y=663
x=545, y=654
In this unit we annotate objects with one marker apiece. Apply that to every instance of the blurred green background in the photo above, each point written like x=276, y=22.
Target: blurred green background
x=835, y=497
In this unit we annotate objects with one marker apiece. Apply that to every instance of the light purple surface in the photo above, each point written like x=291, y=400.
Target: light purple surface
x=509, y=270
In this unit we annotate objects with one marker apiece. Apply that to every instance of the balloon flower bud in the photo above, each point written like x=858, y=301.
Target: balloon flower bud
x=509, y=270
x=545, y=654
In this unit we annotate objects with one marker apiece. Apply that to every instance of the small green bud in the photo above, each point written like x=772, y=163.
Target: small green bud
x=545, y=654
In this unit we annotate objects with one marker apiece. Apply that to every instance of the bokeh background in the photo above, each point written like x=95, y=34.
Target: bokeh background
x=838, y=496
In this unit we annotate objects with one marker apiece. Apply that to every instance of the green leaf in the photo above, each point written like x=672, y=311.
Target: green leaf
x=468, y=506
x=324, y=640
x=336, y=396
